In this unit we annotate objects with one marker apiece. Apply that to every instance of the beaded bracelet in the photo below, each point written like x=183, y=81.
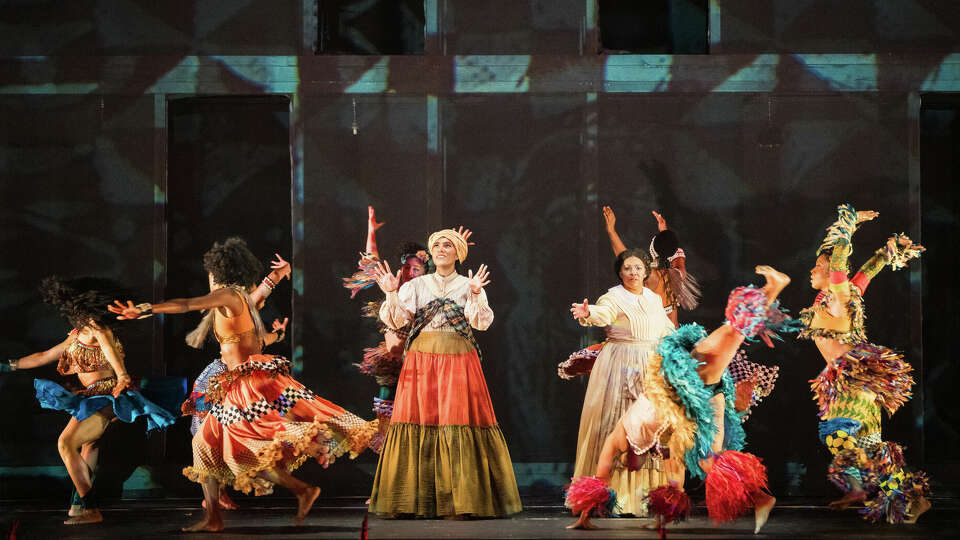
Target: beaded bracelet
x=269, y=283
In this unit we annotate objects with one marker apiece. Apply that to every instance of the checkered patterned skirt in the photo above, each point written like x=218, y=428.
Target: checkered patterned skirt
x=263, y=419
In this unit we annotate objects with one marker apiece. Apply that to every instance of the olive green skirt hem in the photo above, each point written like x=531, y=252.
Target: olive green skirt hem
x=436, y=471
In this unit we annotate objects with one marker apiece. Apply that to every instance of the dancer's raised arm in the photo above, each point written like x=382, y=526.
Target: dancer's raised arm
x=610, y=220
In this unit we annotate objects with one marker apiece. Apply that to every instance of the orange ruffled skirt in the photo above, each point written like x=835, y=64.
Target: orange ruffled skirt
x=444, y=452
x=262, y=419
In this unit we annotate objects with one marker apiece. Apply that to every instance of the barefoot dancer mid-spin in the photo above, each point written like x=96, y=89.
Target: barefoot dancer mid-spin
x=93, y=353
x=690, y=403
x=263, y=424
x=860, y=379
x=197, y=406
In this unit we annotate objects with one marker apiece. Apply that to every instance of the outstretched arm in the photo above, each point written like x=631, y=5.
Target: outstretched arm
x=898, y=250
x=839, y=243
x=372, y=227
x=610, y=221
x=219, y=298
x=279, y=269
x=41, y=358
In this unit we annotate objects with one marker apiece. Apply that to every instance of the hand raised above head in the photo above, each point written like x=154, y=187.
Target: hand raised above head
x=661, y=223
x=466, y=234
x=866, y=215
x=281, y=266
x=372, y=219
x=609, y=218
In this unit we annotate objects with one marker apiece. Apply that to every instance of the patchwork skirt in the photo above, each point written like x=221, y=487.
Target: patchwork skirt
x=262, y=419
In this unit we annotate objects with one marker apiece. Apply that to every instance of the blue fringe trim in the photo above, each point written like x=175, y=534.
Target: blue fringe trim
x=679, y=368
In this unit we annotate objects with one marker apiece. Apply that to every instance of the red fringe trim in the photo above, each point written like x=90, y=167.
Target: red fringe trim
x=670, y=503
x=731, y=484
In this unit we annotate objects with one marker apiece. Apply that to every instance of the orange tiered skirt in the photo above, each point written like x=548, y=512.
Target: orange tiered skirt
x=263, y=419
x=444, y=453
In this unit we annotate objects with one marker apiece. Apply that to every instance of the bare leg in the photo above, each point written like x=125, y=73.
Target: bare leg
x=306, y=494
x=915, y=508
x=90, y=453
x=717, y=351
x=855, y=495
x=762, y=505
x=212, y=518
x=776, y=281
x=583, y=522
x=72, y=438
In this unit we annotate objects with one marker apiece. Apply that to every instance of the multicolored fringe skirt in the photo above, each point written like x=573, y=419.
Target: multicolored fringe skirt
x=86, y=402
x=196, y=405
x=444, y=453
x=263, y=419
x=851, y=393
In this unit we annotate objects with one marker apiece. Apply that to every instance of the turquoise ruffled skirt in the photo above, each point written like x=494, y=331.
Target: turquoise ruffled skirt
x=129, y=406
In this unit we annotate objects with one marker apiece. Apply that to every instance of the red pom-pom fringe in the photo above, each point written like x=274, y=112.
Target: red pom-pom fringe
x=669, y=502
x=588, y=493
x=732, y=483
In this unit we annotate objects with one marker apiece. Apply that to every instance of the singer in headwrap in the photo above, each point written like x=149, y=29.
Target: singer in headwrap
x=444, y=455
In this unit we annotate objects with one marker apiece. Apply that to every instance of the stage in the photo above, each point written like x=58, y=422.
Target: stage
x=794, y=518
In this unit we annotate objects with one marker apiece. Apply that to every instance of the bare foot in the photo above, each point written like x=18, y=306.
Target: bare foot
x=583, y=522
x=85, y=516
x=850, y=498
x=455, y=517
x=75, y=510
x=224, y=502
x=761, y=512
x=917, y=506
x=304, y=502
x=776, y=281
x=207, y=525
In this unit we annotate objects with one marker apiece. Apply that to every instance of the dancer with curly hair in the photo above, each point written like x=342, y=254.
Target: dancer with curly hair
x=95, y=355
x=197, y=406
x=861, y=379
x=263, y=423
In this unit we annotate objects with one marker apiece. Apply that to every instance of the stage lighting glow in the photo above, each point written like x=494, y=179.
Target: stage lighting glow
x=490, y=74
x=637, y=73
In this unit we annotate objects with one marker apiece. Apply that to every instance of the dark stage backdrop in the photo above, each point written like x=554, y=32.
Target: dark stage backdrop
x=115, y=163
x=744, y=179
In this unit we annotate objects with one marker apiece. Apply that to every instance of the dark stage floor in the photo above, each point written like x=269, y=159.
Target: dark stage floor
x=343, y=519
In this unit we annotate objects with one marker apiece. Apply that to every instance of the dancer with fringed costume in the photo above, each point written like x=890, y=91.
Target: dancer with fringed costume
x=444, y=455
x=93, y=353
x=690, y=404
x=384, y=361
x=860, y=379
x=263, y=424
x=197, y=406
x=635, y=321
